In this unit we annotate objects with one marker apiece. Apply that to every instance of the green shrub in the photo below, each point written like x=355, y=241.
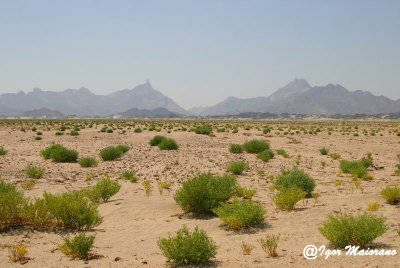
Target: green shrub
x=137, y=130
x=103, y=190
x=38, y=214
x=255, y=146
x=241, y=214
x=391, y=194
x=88, y=162
x=205, y=192
x=236, y=148
x=110, y=153
x=244, y=192
x=266, y=130
x=283, y=153
x=74, y=133
x=324, y=150
x=345, y=229
x=72, y=210
x=79, y=247
x=11, y=205
x=123, y=148
x=270, y=244
x=59, y=153
x=335, y=156
x=203, y=130
x=156, y=140
x=188, y=247
x=2, y=151
x=297, y=178
x=237, y=168
x=34, y=172
x=129, y=175
x=288, y=198
x=38, y=138
x=59, y=133
x=265, y=155
x=357, y=168
x=168, y=144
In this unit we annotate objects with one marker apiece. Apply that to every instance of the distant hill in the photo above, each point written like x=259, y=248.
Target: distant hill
x=83, y=102
x=298, y=97
x=143, y=113
x=43, y=113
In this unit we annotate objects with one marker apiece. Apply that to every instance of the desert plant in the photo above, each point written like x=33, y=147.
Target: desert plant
x=103, y=190
x=74, y=133
x=205, y=130
x=373, y=206
x=88, y=162
x=205, y=192
x=265, y=155
x=188, y=247
x=147, y=187
x=34, y=172
x=246, y=248
x=283, y=153
x=59, y=153
x=240, y=214
x=137, y=130
x=123, y=148
x=72, y=210
x=270, y=244
x=168, y=144
x=163, y=185
x=129, y=175
x=346, y=229
x=38, y=214
x=27, y=185
x=79, y=247
x=255, y=146
x=324, y=151
x=237, y=168
x=288, y=197
x=335, y=156
x=244, y=192
x=2, y=151
x=111, y=153
x=236, y=148
x=295, y=177
x=11, y=205
x=156, y=140
x=358, y=168
x=391, y=194
x=17, y=253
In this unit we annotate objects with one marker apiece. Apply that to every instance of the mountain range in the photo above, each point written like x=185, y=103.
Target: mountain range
x=297, y=97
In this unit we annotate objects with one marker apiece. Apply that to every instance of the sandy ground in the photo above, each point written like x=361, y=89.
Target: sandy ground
x=133, y=221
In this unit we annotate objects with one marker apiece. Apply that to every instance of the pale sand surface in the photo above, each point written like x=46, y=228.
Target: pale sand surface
x=133, y=222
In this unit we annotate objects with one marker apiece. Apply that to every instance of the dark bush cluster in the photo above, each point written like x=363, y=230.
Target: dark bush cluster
x=59, y=153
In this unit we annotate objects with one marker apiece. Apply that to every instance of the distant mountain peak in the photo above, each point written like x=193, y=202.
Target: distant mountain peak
x=299, y=83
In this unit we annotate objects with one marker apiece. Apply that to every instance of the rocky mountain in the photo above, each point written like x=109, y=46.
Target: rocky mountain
x=83, y=102
x=144, y=113
x=43, y=113
x=298, y=97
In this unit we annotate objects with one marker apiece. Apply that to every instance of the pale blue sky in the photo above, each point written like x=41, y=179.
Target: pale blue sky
x=199, y=52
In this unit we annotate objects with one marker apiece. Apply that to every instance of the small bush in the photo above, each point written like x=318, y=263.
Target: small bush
x=373, y=206
x=288, y=198
x=295, y=178
x=168, y=144
x=335, y=156
x=188, y=247
x=345, y=229
x=88, y=162
x=59, y=153
x=265, y=155
x=72, y=210
x=203, y=130
x=391, y=194
x=38, y=138
x=255, y=146
x=103, y=190
x=129, y=175
x=270, y=244
x=59, y=133
x=205, y=192
x=358, y=168
x=123, y=148
x=34, y=172
x=236, y=149
x=283, y=153
x=156, y=140
x=27, y=185
x=17, y=253
x=110, y=153
x=137, y=130
x=324, y=151
x=38, y=214
x=2, y=151
x=241, y=214
x=74, y=133
x=11, y=205
x=245, y=193
x=237, y=168
x=79, y=247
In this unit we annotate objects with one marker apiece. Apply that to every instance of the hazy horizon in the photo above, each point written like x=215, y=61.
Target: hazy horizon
x=199, y=53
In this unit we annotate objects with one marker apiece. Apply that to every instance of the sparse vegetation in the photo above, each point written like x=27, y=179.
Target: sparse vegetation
x=255, y=146
x=103, y=190
x=34, y=172
x=129, y=175
x=78, y=247
x=2, y=151
x=156, y=140
x=88, y=162
x=295, y=178
x=391, y=194
x=168, y=144
x=111, y=153
x=288, y=198
x=324, y=151
x=265, y=155
x=237, y=168
x=59, y=153
x=270, y=244
x=236, y=148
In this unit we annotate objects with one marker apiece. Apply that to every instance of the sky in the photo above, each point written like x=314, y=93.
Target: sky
x=199, y=52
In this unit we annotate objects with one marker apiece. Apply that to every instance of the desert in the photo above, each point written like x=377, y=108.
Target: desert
x=144, y=209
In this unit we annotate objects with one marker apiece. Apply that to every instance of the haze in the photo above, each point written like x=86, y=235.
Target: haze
x=199, y=52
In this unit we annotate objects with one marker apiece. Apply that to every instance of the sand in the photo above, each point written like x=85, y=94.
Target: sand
x=133, y=221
